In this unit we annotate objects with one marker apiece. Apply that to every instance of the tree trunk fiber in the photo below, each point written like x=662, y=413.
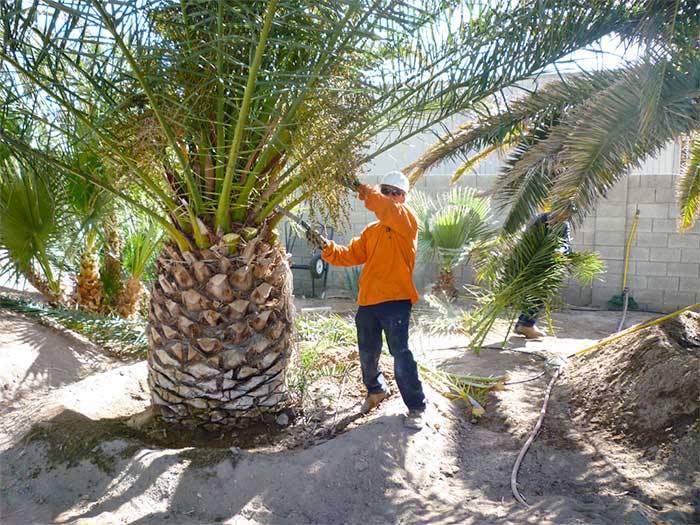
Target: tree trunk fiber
x=112, y=267
x=446, y=284
x=220, y=329
x=88, y=287
x=127, y=303
x=42, y=285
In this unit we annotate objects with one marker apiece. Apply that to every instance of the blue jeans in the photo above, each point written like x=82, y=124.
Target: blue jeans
x=392, y=318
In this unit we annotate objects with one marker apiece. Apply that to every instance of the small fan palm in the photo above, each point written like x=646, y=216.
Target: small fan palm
x=448, y=225
x=142, y=244
x=29, y=226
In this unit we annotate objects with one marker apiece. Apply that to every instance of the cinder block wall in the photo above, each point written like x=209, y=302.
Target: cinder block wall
x=664, y=268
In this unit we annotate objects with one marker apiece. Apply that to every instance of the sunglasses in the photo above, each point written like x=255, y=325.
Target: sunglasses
x=391, y=191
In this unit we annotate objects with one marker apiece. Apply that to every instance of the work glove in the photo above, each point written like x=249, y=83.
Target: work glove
x=351, y=182
x=316, y=240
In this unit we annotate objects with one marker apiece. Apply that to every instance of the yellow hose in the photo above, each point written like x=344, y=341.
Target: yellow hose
x=633, y=229
x=633, y=329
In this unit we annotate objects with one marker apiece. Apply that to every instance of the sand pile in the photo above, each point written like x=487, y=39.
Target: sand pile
x=644, y=389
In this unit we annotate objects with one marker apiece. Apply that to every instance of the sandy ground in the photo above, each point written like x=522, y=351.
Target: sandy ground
x=452, y=471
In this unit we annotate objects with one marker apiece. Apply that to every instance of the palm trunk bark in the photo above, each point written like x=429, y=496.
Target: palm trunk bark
x=446, y=284
x=220, y=330
x=52, y=296
x=129, y=296
x=113, y=265
x=88, y=286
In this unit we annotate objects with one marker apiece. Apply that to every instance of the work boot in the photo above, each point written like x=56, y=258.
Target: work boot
x=414, y=419
x=372, y=401
x=530, y=332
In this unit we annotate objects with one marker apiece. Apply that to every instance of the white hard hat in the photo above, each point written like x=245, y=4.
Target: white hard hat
x=396, y=179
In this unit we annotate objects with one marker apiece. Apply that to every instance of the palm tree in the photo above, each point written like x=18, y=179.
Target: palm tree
x=29, y=225
x=572, y=140
x=142, y=243
x=89, y=206
x=221, y=110
x=448, y=225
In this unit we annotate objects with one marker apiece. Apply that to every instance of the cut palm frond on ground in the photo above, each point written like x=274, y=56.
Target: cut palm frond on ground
x=120, y=338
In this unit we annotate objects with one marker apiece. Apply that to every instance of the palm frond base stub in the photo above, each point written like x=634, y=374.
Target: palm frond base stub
x=88, y=286
x=128, y=298
x=445, y=285
x=219, y=331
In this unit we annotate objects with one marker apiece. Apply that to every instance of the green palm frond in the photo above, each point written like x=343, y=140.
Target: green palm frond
x=450, y=223
x=577, y=136
x=221, y=110
x=585, y=266
x=603, y=140
x=141, y=245
x=29, y=220
x=516, y=272
x=688, y=186
x=529, y=270
x=504, y=128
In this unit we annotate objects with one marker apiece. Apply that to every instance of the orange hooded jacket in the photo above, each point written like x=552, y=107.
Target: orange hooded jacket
x=387, y=248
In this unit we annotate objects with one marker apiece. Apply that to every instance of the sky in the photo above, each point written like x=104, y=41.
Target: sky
x=609, y=53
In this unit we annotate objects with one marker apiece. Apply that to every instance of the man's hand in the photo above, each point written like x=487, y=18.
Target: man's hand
x=316, y=240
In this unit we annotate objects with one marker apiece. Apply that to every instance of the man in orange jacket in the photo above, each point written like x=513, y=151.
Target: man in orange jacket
x=387, y=248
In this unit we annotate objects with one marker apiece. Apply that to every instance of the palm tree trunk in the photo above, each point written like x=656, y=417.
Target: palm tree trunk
x=53, y=296
x=88, y=286
x=446, y=284
x=220, y=335
x=127, y=302
x=112, y=267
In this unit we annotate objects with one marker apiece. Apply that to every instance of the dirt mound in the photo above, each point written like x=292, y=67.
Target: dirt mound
x=644, y=388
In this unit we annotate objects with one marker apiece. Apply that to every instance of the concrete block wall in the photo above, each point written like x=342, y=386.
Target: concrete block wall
x=664, y=268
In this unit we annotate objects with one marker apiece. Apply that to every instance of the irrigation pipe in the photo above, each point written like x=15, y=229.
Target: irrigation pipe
x=543, y=410
x=530, y=439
